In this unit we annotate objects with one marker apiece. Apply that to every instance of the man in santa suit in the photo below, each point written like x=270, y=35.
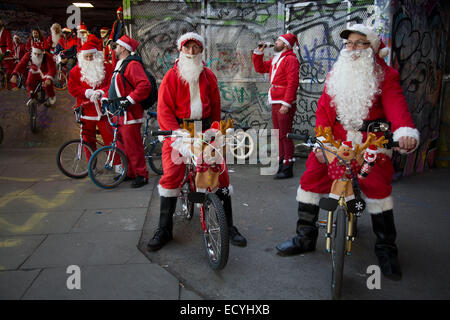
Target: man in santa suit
x=36, y=37
x=360, y=89
x=53, y=38
x=129, y=90
x=84, y=36
x=67, y=48
x=117, y=31
x=283, y=71
x=19, y=48
x=88, y=82
x=6, y=49
x=188, y=91
x=42, y=68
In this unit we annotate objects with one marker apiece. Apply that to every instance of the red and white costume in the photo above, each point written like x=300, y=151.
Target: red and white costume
x=36, y=74
x=6, y=44
x=178, y=100
x=390, y=105
x=92, y=38
x=82, y=90
x=283, y=71
x=130, y=139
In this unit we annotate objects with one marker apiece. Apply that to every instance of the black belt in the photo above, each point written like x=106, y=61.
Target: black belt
x=206, y=122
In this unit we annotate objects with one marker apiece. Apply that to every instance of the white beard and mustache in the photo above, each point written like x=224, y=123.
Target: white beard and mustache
x=55, y=37
x=37, y=60
x=92, y=72
x=190, y=67
x=353, y=85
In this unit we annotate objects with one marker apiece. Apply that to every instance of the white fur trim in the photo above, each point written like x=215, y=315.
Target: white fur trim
x=383, y=52
x=307, y=196
x=89, y=51
x=190, y=36
x=257, y=52
x=163, y=192
x=285, y=41
x=371, y=35
x=285, y=104
x=125, y=45
x=196, y=101
x=131, y=100
x=376, y=206
x=36, y=50
x=407, y=132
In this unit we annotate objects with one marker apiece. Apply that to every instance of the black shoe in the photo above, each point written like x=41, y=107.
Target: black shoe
x=127, y=178
x=139, y=182
x=298, y=244
x=159, y=240
x=236, y=238
x=286, y=171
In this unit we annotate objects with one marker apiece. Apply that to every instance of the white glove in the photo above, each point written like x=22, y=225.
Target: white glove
x=88, y=93
x=96, y=95
x=183, y=143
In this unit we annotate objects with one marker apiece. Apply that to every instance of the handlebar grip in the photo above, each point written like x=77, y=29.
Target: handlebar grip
x=297, y=136
x=161, y=133
x=395, y=144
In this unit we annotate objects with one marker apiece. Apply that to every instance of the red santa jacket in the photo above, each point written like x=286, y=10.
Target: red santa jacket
x=77, y=88
x=174, y=99
x=137, y=92
x=19, y=51
x=30, y=43
x=284, y=76
x=6, y=42
x=47, y=69
x=390, y=105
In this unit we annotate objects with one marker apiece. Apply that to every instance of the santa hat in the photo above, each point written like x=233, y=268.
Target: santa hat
x=289, y=39
x=104, y=29
x=66, y=29
x=375, y=42
x=88, y=47
x=372, y=149
x=190, y=36
x=128, y=43
x=348, y=144
x=82, y=27
x=38, y=47
x=119, y=10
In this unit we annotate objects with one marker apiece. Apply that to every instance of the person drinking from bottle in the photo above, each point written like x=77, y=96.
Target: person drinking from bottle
x=360, y=89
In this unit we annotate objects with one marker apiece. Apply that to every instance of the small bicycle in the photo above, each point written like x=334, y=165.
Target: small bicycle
x=73, y=156
x=60, y=82
x=152, y=145
x=38, y=96
x=212, y=213
x=240, y=143
x=341, y=224
x=108, y=166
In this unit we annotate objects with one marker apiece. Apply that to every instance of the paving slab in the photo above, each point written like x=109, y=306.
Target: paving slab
x=15, y=250
x=13, y=284
x=117, y=282
x=62, y=250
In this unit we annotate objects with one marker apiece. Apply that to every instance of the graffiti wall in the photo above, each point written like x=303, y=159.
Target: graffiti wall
x=419, y=38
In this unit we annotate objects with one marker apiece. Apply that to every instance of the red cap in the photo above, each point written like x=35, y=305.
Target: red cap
x=88, y=47
x=348, y=144
x=372, y=149
x=119, y=10
x=289, y=39
x=128, y=43
x=83, y=27
x=104, y=29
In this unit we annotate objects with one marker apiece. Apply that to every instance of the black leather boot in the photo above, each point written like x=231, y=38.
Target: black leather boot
x=385, y=248
x=235, y=237
x=280, y=165
x=286, y=171
x=307, y=232
x=164, y=232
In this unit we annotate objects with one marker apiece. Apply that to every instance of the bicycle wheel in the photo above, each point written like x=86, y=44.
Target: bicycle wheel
x=32, y=111
x=215, y=235
x=241, y=145
x=1, y=134
x=154, y=157
x=3, y=80
x=73, y=158
x=186, y=208
x=338, y=253
x=60, y=81
x=108, y=167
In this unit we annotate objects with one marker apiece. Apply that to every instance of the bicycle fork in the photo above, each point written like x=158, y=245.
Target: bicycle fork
x=350, y=234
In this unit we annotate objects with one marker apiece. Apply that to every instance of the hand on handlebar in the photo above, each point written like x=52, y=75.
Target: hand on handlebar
x=319, y=155
x=406, y=144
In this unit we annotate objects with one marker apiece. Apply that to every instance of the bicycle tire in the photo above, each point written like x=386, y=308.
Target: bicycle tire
x=1, y=134
x=241, y=145
x=60, y=81
x=72, y=161
x=186, y=206
x=217, y=244
x=155, y=157
x=32, y=111
x=102, y=169
x=338, y=253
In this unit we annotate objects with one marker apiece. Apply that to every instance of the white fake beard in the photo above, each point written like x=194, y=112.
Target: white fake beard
x=37, y=61
x=55, y=38
x=83, y=39
x=190, y=67
x=353, y=83
x=92, y=72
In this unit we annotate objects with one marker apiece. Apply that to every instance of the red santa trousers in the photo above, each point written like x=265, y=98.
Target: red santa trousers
x=169, y=184
x=90, y=132
x=129, y=140
x=33, y=80
x=377, y=185
x=283, y=122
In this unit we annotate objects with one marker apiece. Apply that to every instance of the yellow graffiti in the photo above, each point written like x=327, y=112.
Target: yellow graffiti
x=27, y=226
x=9, y=243
x=34, y=199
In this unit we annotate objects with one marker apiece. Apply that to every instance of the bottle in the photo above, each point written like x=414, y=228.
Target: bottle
x=370, y=156
x=266, y=44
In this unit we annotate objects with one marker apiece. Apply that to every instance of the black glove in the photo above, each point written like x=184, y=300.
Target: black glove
x=105, y=105
x=124, y=103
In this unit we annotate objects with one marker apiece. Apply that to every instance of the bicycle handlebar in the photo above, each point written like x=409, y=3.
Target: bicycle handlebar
x=161, y=133
x=297, y=136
